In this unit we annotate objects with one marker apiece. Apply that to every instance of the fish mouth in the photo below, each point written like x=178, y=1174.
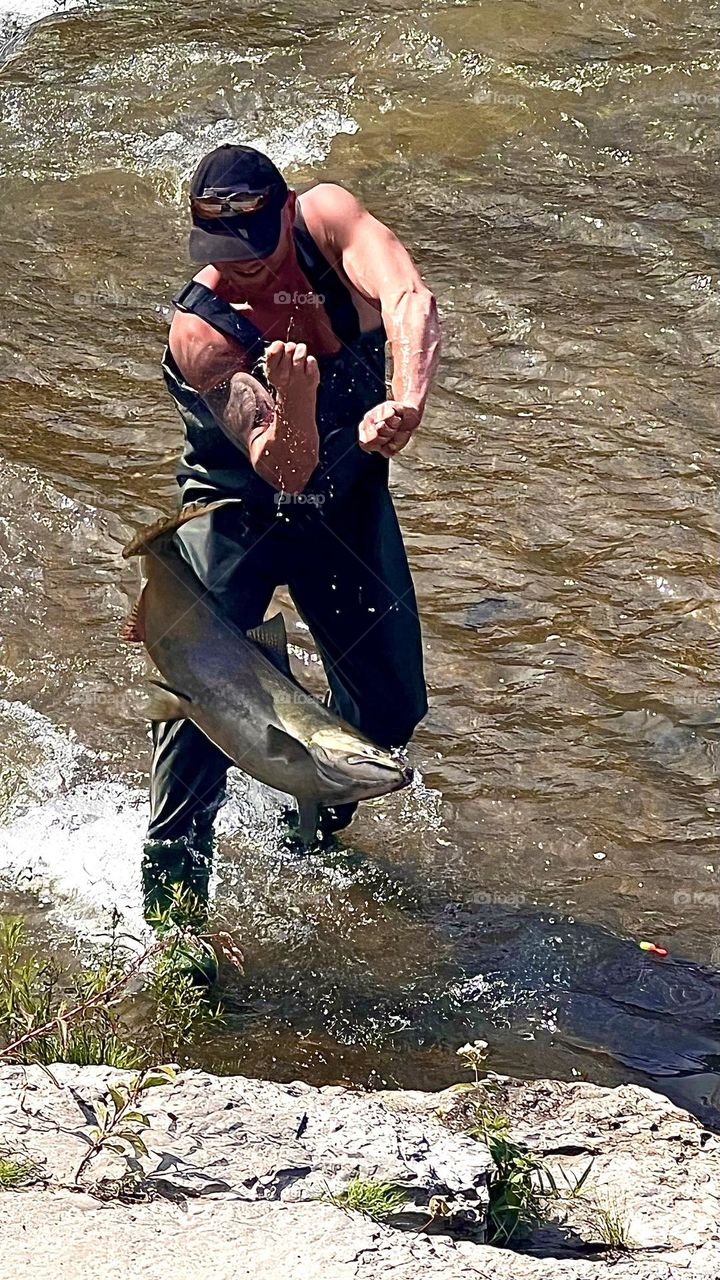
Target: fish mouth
x=360, y=774
x=402, y=773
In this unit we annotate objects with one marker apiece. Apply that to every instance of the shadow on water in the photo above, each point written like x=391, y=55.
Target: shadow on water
x=658, y=1017
x=511, y=973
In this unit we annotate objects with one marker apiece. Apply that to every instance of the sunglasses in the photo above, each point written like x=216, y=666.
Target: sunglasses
x=213, y=204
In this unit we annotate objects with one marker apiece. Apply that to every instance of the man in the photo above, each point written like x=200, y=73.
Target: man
x=276, y=363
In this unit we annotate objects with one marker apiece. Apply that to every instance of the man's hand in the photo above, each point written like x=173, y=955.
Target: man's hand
x=387, y=428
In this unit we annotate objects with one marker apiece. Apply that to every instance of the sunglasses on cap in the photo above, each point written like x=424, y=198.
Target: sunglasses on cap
x=215, y=204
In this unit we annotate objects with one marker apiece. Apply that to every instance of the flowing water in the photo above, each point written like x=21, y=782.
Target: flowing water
x=552, y=166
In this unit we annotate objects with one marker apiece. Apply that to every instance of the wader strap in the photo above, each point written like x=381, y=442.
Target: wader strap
x=201, y=301
x=325, y=281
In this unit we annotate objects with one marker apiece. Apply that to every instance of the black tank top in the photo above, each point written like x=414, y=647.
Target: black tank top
x=351, y=382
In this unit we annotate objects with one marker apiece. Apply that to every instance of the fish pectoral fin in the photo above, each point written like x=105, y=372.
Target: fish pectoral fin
x=271, y=637
x=308, y=821
x=164, y=703
x=282, y=746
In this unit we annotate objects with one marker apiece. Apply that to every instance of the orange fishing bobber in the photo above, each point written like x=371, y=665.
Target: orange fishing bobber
x=652, y=948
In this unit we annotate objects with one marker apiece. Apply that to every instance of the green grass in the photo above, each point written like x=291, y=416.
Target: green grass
x=609, y=1220
x=86, y=1048
x=16, y=1173
x=377, y=1200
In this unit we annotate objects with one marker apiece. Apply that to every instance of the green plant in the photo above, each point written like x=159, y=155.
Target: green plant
x=84, y=1016
x=522, y=1186
x=120, y=1124
x=378, y=1200
x=609, y=1220
x=516, y=1194
x=47, y=1017
x=181, y=1004
x=16, y=1172
x=97, y=1039
x=27, y=987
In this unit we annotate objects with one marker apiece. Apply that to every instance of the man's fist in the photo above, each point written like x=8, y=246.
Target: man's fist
x=387, y=428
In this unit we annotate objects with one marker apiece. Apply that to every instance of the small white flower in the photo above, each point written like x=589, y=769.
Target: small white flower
x=477, y=1049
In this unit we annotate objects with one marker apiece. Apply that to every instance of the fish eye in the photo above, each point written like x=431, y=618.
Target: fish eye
x=370, y=760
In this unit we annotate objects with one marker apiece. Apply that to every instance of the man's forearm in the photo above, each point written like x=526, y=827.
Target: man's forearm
x=281, y=456
x=252, y=420
x=413, y=328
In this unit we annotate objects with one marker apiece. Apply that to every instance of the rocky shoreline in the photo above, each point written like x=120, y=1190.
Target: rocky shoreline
x=245, y=1179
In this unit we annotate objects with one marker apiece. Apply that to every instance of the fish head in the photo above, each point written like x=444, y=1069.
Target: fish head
x=354, y=768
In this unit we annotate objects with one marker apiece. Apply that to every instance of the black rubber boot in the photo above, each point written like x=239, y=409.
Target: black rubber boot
x=175, y=878
x=330, y=820
x=336, y=818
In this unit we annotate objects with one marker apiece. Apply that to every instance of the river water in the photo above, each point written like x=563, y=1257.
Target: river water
x=552, y=165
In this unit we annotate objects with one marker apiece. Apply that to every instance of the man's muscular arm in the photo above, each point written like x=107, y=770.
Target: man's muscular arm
x=382, y=270
x=216, y=367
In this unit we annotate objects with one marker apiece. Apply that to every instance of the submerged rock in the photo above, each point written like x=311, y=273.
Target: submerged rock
x=242, y=1180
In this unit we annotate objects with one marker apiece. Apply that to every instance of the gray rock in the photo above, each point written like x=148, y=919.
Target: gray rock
x=242, y=1172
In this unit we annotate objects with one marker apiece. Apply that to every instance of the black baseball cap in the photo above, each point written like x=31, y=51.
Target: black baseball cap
x=237, y=196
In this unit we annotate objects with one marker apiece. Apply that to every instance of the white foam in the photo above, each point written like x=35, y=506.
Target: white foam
x=76, y=842
x=306, y=143
x=420, y=805
x=17, y=16
x=73, y=842
x=28, y=11
x=60, y=751
x=32, y=10
x=80, y=853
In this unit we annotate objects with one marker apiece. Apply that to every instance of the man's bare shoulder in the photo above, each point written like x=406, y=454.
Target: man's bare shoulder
x=330, y=210
x=204, y=356
x=328, y=196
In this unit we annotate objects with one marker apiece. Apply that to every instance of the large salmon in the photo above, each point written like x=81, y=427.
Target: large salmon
x=238, y=688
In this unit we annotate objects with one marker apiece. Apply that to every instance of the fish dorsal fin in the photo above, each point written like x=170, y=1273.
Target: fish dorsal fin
x=167, y=525
x=271, y=637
